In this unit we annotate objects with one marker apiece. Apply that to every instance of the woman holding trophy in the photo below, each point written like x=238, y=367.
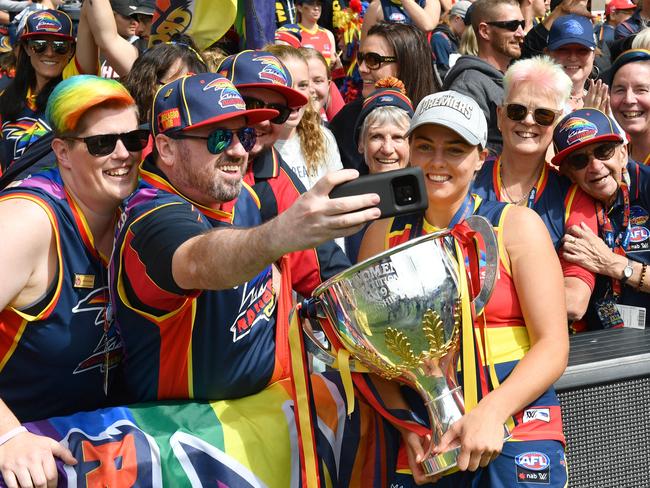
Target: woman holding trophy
x=520, y=342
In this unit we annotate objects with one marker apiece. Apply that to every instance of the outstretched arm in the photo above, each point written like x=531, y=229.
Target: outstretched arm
x=425, y=18
x=313, y=219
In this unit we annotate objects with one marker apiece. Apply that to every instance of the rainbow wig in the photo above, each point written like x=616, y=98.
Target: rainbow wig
x=73, y=97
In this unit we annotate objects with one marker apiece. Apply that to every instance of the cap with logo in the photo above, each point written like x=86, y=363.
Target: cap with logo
x=48, y=22
x=126, y=8
x=145, y=7
x=455, y=111
x=580, y=128
x=289, y=34
x=616, y=5
x=261, y=69
x=382, y=97
x=460, y=8
x=200, y=100
x=571, y=29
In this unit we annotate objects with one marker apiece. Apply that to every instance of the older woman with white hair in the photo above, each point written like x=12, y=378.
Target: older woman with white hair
x=536, y=89
x=380, y=136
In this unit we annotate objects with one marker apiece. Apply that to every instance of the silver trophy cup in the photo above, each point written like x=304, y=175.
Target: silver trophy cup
x=399, y=314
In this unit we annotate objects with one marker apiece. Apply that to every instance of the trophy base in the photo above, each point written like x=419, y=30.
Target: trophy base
x=441, y=462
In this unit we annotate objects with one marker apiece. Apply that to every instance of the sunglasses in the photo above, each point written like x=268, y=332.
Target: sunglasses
x=581, y=160
x=40, y=45
x=104, y=144
x=374, y=60
x=541, y=116
x=253, y=103
x=509, y=25
x=220, y=139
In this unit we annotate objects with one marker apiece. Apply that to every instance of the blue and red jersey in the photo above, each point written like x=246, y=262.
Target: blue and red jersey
x=53, y=354
x=180, y=343
x=500, y=339
x=559, y=202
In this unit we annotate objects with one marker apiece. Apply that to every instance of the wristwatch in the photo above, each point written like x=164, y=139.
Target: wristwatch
x=627, y=272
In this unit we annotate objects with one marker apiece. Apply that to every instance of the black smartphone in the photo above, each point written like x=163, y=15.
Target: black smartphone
x=400, y=191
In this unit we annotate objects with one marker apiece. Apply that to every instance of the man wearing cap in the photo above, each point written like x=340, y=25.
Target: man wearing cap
x=264, y=81
x=499, y=29
x=56, y=341
x=590, y=150
x=571, y=44
x=616, y=12
x=446, y=36
x=199, y=305
x=144, y=13
x=125, y=15
x=639, y=20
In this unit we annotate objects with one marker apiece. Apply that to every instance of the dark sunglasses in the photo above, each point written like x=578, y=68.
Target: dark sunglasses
x=581, y=160
x=374, y=60
x=253, y=103
x=104, y=144
x=510, y=25
x=40, y=45
x=541, y=116
x=220, y=139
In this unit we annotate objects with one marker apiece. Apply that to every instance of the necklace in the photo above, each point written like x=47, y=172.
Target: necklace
x=505, y=190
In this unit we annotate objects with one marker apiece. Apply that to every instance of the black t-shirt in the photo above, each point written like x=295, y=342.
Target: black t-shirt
x=343, y=127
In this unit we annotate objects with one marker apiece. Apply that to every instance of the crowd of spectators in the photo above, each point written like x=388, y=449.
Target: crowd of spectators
x=183, y=182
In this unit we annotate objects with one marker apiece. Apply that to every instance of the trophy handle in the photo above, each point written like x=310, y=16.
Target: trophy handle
x=309, y=312
x=482, y=226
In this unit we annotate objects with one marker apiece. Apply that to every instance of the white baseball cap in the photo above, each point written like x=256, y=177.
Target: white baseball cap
x=455, y=111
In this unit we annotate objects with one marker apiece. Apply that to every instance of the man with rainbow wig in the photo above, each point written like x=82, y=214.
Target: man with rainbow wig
x=56, y=342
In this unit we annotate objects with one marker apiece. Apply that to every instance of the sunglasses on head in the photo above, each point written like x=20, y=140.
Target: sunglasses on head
x=220, y=139
x=509, y=25
x=104, y=144
x=374, y=60
x=581, y=160
x=541, y=116
x=40, y=45
x=253, y=103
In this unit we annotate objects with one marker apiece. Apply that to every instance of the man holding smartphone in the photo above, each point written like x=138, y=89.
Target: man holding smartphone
x=194, y=288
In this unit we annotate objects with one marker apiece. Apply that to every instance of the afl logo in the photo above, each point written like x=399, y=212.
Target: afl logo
x=639, y=234
x=535, y=461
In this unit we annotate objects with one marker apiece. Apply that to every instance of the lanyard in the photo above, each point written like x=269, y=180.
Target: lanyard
x=616, y=241
x=465, y=210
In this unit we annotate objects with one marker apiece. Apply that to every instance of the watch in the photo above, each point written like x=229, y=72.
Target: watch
x=627, y=272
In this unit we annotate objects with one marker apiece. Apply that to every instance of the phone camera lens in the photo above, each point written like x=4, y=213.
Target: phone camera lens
x=405, y=190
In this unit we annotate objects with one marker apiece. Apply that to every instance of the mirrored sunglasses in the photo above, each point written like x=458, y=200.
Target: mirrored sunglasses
x=40, y=45
x=220, y=139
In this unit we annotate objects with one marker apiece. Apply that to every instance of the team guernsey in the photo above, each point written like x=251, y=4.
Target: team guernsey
x=188, y=343
x=54, y=353
x=560, y=204
x=394, y=12
x=500, y=341
x=318, y=38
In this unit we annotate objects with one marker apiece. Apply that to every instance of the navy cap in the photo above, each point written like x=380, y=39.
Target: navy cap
x=630, y=56
x=580, y=128
x=571, y=29
x=145, y=7
x=382, y=97
x=261, y=69
x=199, y=100
x=48, y=22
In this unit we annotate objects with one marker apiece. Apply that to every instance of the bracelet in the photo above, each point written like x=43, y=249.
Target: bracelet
x=644, y=266
x=7, y=436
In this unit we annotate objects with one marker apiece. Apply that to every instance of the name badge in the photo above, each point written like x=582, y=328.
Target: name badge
x=84, y=281
x=633, y=317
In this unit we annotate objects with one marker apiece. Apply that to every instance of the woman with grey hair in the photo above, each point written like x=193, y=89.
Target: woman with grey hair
x=535, y=90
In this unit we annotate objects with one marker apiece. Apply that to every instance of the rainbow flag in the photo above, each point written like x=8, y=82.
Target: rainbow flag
x=248, y=442
x=205, y=20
